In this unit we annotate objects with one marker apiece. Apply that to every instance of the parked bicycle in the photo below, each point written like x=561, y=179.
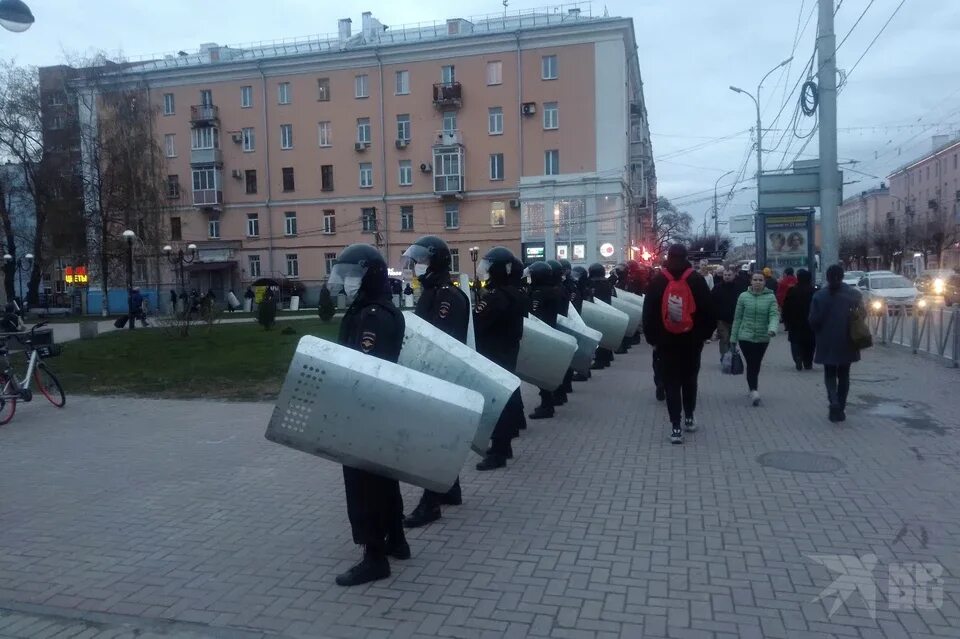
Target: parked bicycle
x=14, y=388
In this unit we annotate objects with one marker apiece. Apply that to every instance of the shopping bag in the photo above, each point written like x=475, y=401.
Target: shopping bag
x=121, y=321
x=860, y=335
x=731, y=363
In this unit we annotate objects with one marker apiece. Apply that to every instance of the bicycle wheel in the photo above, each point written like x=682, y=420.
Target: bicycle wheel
x=8, y=406
x=49, y=386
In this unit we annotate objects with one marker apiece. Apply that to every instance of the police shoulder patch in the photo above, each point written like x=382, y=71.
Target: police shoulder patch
x=479, y=308
x=444, y=310
x=367, y=341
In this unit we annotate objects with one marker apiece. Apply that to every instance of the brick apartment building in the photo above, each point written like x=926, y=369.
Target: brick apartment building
x=526, y=130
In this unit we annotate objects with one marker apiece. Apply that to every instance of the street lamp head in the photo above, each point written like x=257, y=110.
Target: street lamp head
x=7, y=257
x=167, y=249
x=129, y=235
x=786, y=62
x=15, y=16
x=28, y=257
x=192, y=248
x=736, y=89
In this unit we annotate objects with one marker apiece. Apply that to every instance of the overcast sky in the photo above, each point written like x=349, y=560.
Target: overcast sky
x=905, y=90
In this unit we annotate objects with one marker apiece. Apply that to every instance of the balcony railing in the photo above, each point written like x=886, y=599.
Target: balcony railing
x=206, y=156
x=207, y=198
x=447, y=94
x=448, y=138
x=204, y=113
x=448, y=184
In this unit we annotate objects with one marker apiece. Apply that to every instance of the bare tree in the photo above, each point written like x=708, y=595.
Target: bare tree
x=711, y=242
x=670, y=225
x=887, y=242
x=853, y=250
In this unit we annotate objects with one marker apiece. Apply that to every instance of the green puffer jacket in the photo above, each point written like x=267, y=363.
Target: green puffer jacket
x=756, y=316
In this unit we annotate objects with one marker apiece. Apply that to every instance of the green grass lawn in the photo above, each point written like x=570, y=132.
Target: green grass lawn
x=229, y=361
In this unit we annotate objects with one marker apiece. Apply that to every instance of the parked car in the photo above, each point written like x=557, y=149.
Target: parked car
x=853, y=277
x=883, y=289
x=940, y=284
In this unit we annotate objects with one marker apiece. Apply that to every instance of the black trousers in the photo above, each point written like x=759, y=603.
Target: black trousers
x=546, y=399
x=431, y=498
x=604, y=356
x=680, y=367
x=837, y=381
x=657, y=369
x=508, y=426
x=374, y=506
x=567, y=385
x=802, y=351
x=753, y=356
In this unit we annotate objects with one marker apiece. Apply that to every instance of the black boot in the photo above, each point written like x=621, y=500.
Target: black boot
x=579, y=377
x=508, y=455
x=454, y=497
x=541, y=413
x=661, y=394
x=835, y=413
x=372, y=567
x=559, y=398
x=492, y=462
x=425, y=513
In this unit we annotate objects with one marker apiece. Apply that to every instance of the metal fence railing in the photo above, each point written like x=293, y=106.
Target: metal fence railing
x=934, y=332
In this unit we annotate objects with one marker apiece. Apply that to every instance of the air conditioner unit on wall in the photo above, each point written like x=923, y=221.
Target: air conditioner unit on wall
x=529, y=108
x=515, y=204
x=401, y=144
x=426, y=167
x=237, y=137
x=237, y=173
x=361, y=146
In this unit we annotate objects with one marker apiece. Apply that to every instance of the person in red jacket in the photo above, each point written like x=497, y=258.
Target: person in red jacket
x=788, y=281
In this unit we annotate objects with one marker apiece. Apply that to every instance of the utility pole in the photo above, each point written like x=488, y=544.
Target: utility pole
x=829, y=178
x=716, y=213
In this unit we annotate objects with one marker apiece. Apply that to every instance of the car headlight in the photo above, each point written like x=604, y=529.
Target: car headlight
x=922, y=304
x=939, y=286
x=876, y=304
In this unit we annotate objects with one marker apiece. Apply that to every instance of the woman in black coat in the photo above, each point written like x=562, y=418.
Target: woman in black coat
x=796, y=313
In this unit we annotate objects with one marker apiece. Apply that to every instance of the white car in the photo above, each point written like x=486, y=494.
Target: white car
x=853, y=277
x=884, y=288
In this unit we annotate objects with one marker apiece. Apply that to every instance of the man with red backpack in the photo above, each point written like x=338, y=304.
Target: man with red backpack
x=677, y=319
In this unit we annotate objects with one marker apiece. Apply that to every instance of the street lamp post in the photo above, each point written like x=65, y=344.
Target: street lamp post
x=130, y=236
x=474, y=256
x=15, y=16
x=180, y=260
x=19, y=264
x=716, y=213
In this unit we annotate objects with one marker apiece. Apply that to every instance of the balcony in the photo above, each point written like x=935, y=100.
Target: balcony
x=448, y=166
x=448, y=138
x=204, y=114
x=448, y=185
x=206, y=156
x=207, y=198
x=447, y=95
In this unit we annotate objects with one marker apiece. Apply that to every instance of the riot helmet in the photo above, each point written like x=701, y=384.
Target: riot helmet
x=358, y=269
x=567, y=267
x=578, y=272
x=557, y=269
x=496, y=266
x=428, y=253
x=540, y=274
x=516, y=273
x=596, y=271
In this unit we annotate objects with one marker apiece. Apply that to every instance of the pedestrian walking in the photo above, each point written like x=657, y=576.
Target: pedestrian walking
x=769, y=280
x=724, y=296
x=796, y=313
x=677, y=320
x=706, y=273
x=788, y=281
x=755, y=321
x=831, y=311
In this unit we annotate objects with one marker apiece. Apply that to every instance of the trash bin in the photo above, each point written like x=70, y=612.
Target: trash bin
x=295, y=303
x=247, y=305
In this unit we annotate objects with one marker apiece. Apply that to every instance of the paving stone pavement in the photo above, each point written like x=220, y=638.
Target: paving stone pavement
x=151, y=518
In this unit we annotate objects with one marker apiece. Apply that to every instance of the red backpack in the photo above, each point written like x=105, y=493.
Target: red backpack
x=678, y=305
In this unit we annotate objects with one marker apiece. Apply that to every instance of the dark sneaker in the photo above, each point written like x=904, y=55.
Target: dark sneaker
x=369, y=569
x=661, y=394
x=676, y=436
x=422, y=515
x=492, y=462
x=835, y=414
x=842, y=415
x=798, y=364
x=690, y=425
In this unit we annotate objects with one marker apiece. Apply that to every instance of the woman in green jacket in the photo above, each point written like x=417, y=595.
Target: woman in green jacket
x=754, y=323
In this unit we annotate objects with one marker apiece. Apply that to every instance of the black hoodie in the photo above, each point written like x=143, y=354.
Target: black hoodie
x=703, y=319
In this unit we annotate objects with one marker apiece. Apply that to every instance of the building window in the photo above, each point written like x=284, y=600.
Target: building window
x=495, y=120
x=140, y=270
x=324, y=134
x=551, y=162
x=176, y=230
x=170, y=145
x=548, y=67
x=361, y=86
x=447, y=74
x=253, y=225
x=451, y=215
x=363, y=130
x=329, y=221
x=323, y=89
x=283, y=93
x=494, y=73
x=169, y=105
x=290, y=223
x=246, y=102
x=58, y=122
x=403, y=127
x=551, y=115
x=498, y=214
x=368, y=217
x=250, y=177
x=447, y=172
x=206, y=97
x=406, y=218
x=249, y=141
x=326, y=177
x=455, y=260
x=213, y=229
x=288, y=184
x=449, y=121
x=173, y=186
x=293, y=265
x=253, y=266
x=286, y=136
x=406, y=173
x=328, y=260
x=206, y=179
x=366, y=175
x=496, y=166
x=403, y=82
x=206, y=137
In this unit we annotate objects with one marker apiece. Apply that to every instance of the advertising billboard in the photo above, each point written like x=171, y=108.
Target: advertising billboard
x=788, y=240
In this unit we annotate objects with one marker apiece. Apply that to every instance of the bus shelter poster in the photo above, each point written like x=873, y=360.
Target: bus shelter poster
x=787, y=239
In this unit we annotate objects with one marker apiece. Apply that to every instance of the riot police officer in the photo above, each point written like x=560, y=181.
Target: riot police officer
x=584, y=293
x=559, y=276
x=618, y=280
x=603, y=291
x=498, y=328
x=448, y=308
x=372, y=325
x=544, y=305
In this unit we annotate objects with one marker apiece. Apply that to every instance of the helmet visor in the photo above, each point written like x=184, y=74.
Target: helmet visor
x=345, y=278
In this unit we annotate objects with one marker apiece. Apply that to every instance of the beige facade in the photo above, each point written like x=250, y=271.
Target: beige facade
x=280, y=156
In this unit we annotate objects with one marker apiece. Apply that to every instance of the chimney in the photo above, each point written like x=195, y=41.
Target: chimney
x=344, y=27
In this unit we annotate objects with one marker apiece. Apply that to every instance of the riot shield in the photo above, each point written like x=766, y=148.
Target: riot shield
x=606, y=319
x=545, y=354
x=429, y=350
x=634, y=313
x=365, y=412
x=587, y=339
